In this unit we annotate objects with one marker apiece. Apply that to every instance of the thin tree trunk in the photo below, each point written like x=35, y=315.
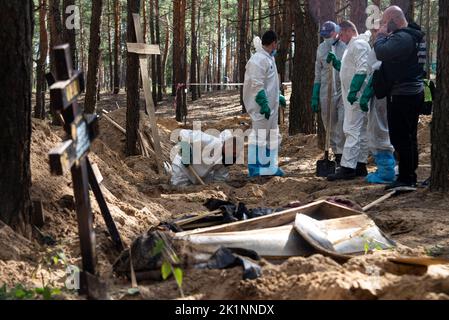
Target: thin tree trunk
x=243, y=10
x=228, y=46
x=39, y=110
x=272, y=8
x=132, y=85
x=179, y=58
x=82, y=55
x=193, y=52
x=285, y=34
x=428, y=37
x=219, y=39
x=158, y=58
x=198, y=63
x=440, y=122
x=110, y=54
x=94, y=56
x=165, y=56
x=145, y=19
x=16, y=34
x=116, y=46
x=153, y=58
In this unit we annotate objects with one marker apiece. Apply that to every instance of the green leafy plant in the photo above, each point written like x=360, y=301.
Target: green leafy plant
x=170, y=263
x=19, y=292
x=373, y=245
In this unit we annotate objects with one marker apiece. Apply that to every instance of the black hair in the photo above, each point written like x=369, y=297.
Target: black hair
x=269, y=37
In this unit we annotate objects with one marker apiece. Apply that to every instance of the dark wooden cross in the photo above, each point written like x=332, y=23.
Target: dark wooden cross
x=72, y=155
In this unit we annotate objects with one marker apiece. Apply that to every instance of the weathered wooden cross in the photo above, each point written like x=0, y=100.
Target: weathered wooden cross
x=72, y=154
x=144, y=50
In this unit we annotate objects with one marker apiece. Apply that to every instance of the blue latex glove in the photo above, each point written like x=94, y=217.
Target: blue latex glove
x=356, y=85
x=316, y=97
x=262, y=101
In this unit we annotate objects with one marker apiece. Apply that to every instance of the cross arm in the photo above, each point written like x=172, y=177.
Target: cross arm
x=143, y=49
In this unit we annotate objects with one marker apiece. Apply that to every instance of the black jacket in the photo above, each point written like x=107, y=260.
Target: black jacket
x=403, y=55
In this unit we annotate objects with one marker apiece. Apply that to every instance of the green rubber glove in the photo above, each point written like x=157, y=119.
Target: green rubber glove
x=356, y=85
x=316, y=97
x=262, y=101
x=367, y=95
x=282, y=101
x=332, y=58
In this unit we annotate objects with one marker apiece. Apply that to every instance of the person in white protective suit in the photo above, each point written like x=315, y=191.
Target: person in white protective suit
x=206, y=154
x=262, y=98
x=353, y=72
x=329, y=31
x=378, y=135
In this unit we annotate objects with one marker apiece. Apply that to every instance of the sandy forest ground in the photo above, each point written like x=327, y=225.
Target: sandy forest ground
x=139, y=198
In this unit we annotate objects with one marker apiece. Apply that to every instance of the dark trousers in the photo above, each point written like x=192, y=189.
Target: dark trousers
x=403, y=117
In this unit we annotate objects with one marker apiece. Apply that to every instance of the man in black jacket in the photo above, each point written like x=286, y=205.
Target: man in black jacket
x=401, y=48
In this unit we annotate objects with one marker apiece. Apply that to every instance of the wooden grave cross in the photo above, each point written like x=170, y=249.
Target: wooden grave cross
x=72, y=155
x=144, y=50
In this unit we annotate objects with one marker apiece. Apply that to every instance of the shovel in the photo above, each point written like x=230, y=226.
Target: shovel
x=393, y=193
x=326, y=167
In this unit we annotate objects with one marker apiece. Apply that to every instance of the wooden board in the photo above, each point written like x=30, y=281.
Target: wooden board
x=320, y=210
x=420, y=261
x=143, y=49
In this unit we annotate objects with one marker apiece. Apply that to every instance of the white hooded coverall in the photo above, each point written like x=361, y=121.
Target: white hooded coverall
x=355, y=61
x=321, y=76
x=210, y=167
x=378, y=134
x=262, y=74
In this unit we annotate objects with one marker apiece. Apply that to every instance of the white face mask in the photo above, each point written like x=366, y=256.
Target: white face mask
x=330, y=41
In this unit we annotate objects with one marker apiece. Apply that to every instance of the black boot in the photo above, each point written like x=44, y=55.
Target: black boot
x=361, y=170
x=338, y=160
x=342, y=173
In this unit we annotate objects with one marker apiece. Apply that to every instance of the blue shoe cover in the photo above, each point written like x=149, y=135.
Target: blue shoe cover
x=385, y=173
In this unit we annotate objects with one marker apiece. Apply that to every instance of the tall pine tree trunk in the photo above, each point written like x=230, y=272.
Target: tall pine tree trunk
x=285, y=33
x=94, y=56
x=56, y=29
x=158, y=58
x=132, y=85
x=110, y=54
x=69, y=33
x=243, y=10
x=358, y=14
x=193, y=52
x=440, y=122
x=301, y=116
x=165, y=55
x=116, y=46
x=179, y=58
x=16, y=34
x=219, y=53
x=153, y=57
x=39, y=110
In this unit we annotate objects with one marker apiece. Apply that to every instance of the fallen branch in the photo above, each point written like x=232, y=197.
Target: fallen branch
x=115, y=124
